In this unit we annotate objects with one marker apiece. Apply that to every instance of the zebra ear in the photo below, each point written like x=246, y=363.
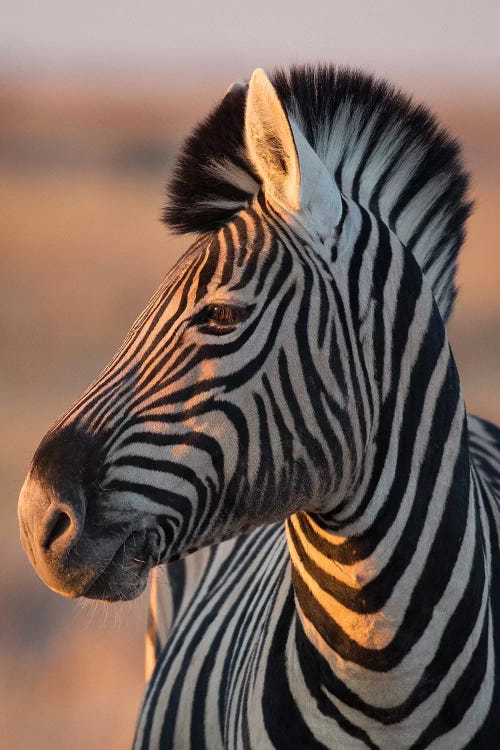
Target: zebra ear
x=293, y=175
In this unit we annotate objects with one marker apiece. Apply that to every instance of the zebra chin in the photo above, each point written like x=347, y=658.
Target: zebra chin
x=121, y=580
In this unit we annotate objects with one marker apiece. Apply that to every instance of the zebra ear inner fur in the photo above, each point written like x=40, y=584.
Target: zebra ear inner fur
x=293, y=176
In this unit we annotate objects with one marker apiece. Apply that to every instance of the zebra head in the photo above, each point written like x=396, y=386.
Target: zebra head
x=205, y=423
x=250, y=387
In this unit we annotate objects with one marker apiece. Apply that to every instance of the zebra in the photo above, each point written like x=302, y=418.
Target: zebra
x=283, y=437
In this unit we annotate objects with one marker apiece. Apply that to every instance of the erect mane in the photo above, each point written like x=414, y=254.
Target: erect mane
x=384, y=151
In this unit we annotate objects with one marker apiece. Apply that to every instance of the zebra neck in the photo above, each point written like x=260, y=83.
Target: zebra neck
x=405, y=566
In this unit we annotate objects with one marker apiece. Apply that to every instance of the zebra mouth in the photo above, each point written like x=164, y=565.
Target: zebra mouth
x=125, y=576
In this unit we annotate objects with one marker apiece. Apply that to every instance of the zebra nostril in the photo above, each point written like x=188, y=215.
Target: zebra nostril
x=57, y=527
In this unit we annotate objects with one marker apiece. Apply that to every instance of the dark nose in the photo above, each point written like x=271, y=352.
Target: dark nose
x=53, y=503
x=51, y=525
x=51, y=519
x=61, y=527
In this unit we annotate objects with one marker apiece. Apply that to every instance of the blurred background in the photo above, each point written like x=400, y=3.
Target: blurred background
x=94, y=100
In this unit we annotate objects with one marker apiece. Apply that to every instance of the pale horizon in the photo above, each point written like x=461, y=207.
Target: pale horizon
x=442, y=40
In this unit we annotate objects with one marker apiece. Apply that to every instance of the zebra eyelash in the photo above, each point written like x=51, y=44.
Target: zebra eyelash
x=219, y=318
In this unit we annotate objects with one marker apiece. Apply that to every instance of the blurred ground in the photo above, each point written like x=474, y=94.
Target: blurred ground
x=81, y=251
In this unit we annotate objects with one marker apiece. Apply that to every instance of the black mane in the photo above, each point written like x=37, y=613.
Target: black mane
x=384, y=151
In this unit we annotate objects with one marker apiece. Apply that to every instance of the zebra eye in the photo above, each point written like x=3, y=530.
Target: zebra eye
x=221, y=318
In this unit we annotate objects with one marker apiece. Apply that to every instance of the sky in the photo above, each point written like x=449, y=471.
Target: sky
x=432, y=37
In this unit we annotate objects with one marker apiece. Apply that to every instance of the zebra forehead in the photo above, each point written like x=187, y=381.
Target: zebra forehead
x=385, y=153
x=210, y=253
